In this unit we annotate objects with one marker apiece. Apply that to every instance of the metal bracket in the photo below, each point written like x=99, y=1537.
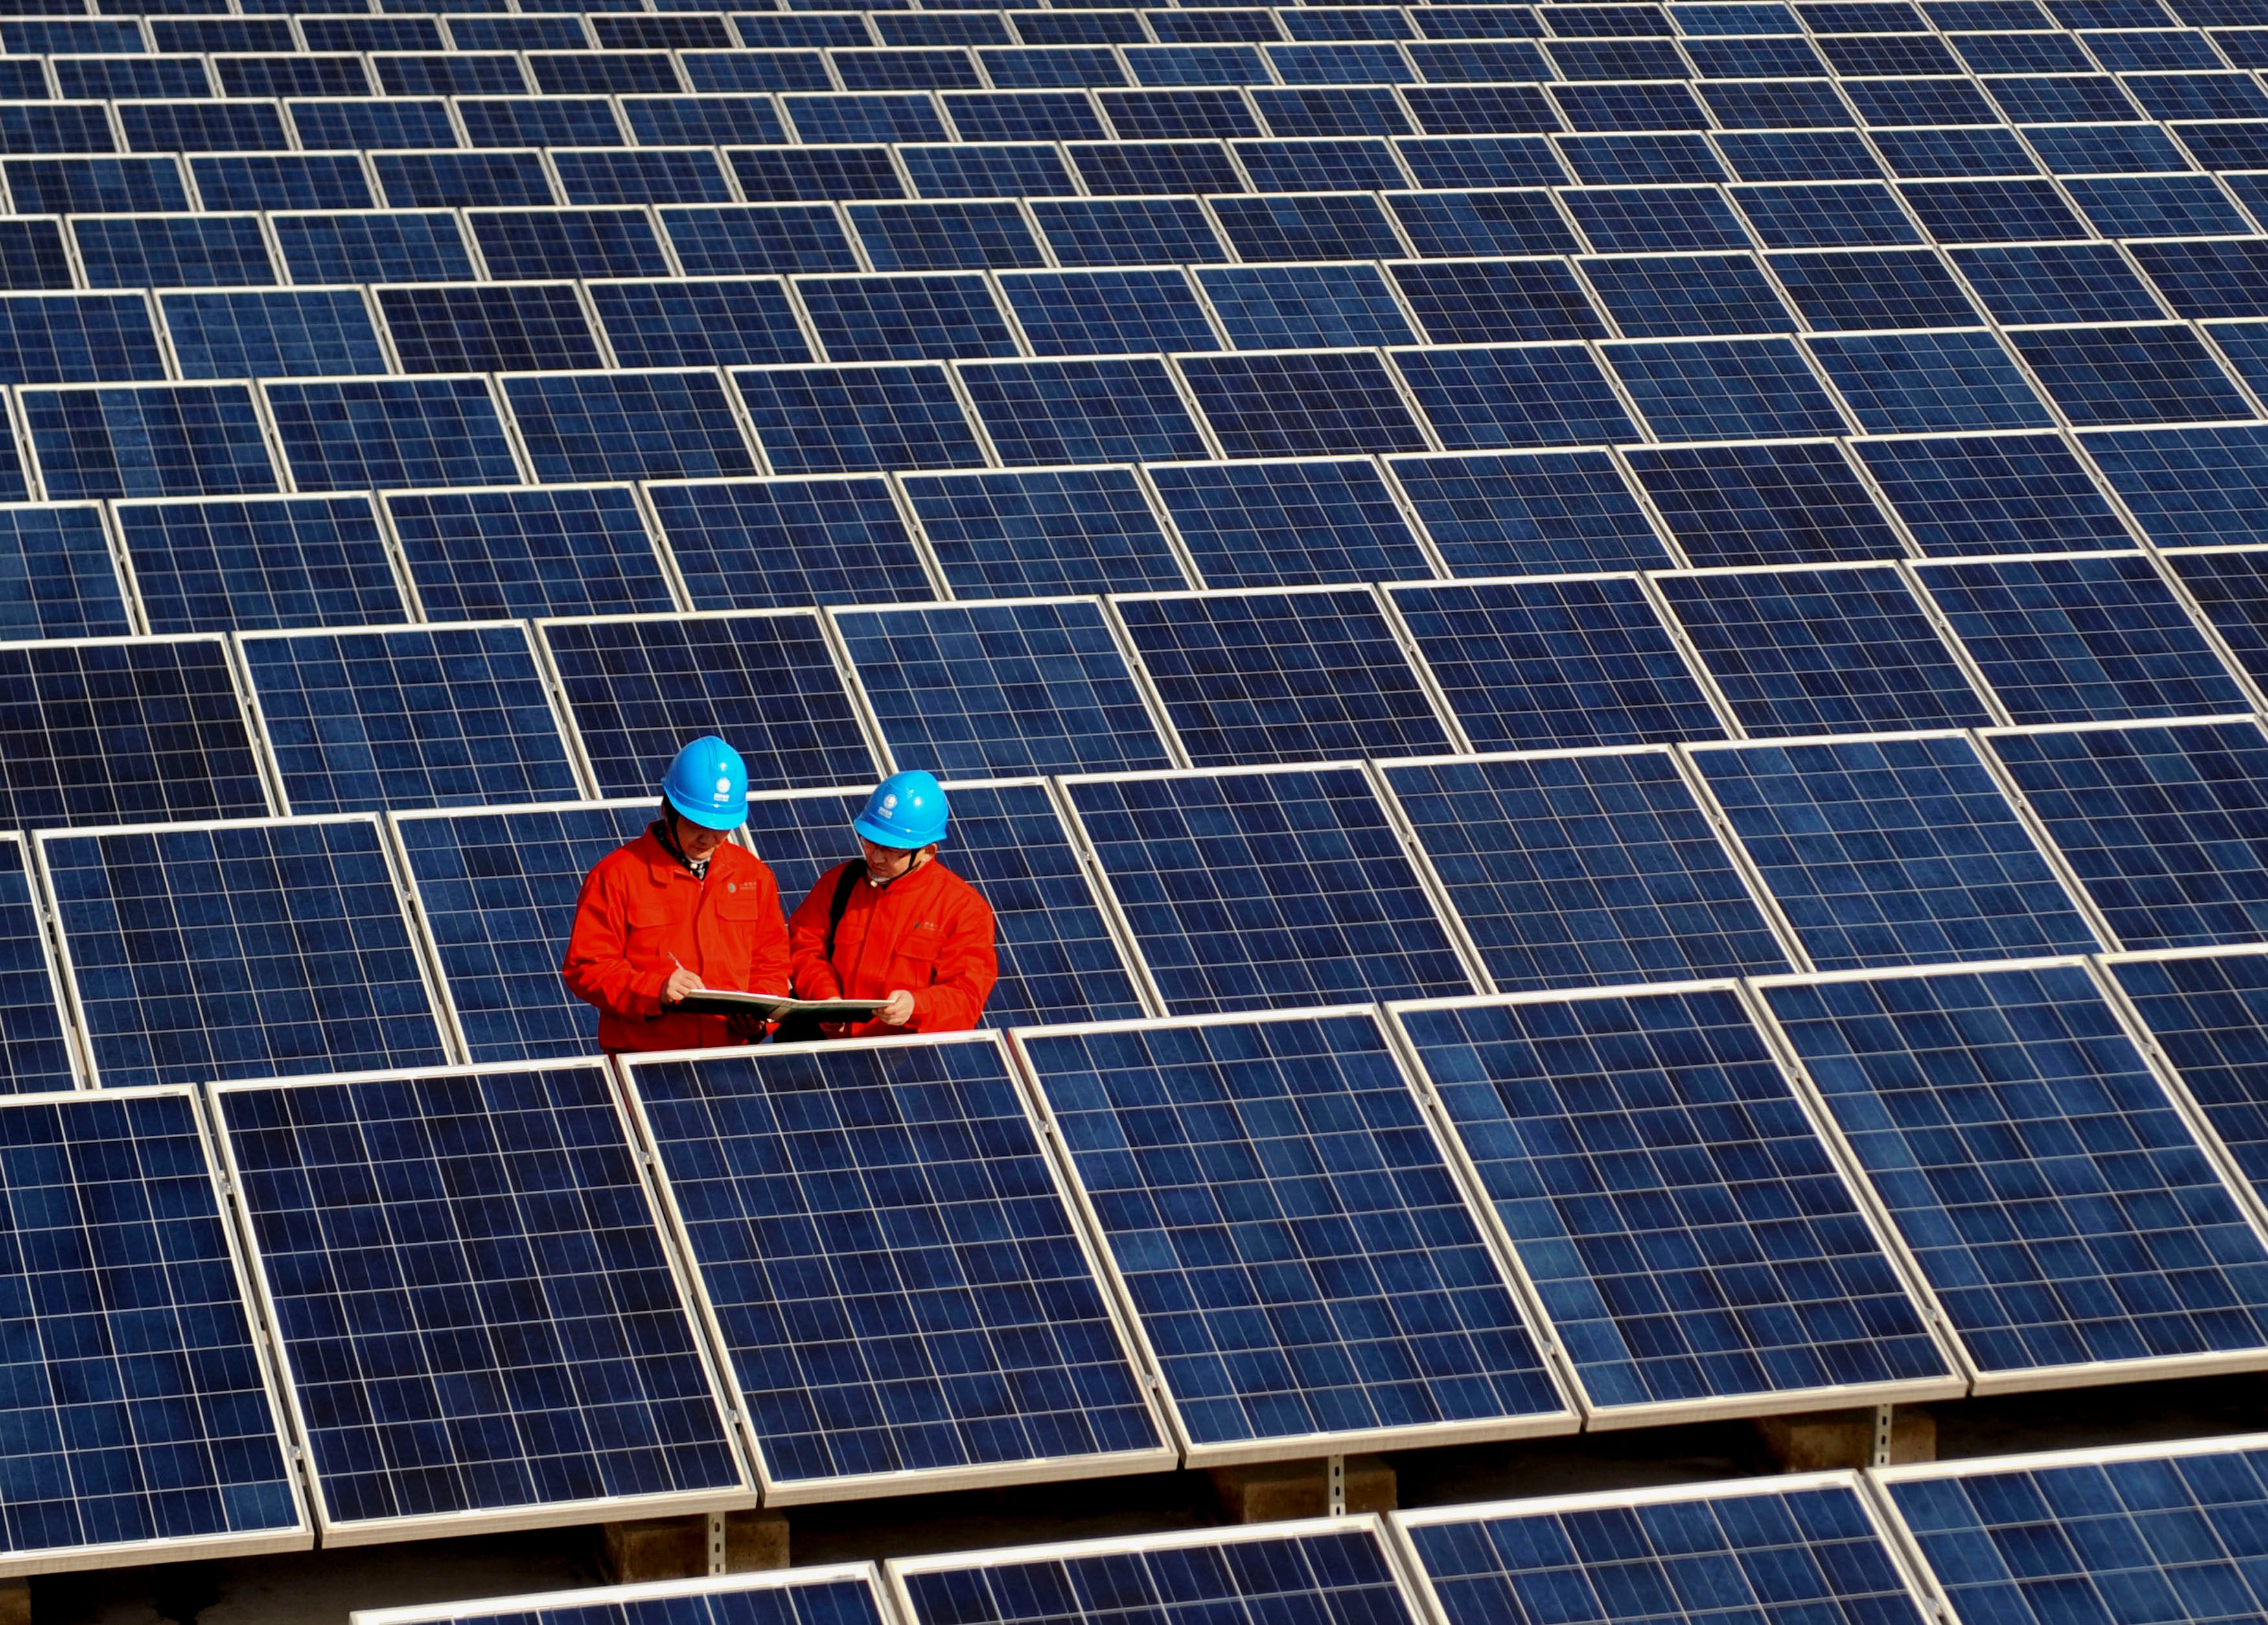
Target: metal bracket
x=1334, y=1484
x=716, y=1541
x=1882, y=1436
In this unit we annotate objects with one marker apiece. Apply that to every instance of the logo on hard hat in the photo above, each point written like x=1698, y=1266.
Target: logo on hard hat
x=724, y=789
x=889, y=804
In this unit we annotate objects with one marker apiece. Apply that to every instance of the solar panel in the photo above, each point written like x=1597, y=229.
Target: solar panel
x=812, y=1594
x=1311, y=1571
x=64, y=702
x=1981, y=494
x=484, y=1239
x=495, y=893
x=142, y=1426
x=1809, y=651
x=2201, y=1011
x=1596, y=1125
x=255, y=948
x=567, y=550
x=1292, y=675
x=2160, y=824
x=2167, y=1526
x=408, y=716
x=58, y=576
x=1059, y=957
x=1788, y=503
x=1898, y=850
x=1028, y=686
x=1365, y=1303
x=884, y=1251
x=1775, y=1550
x=1278, y=887
x=1289, y=524
x=1559, y=661
x=2076, y=1231
x=637, y=687
x=1035, y=532
x=2096, y=637
x=1584, y=868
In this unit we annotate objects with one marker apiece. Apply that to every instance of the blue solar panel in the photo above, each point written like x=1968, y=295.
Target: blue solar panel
x=1030, y=533
x=1584, y=868
x=1530, y=513
x=1893, y=851
x=1808, y=651
x=1562, y=662
x=850, y=420
x=892, y=1269
x=1290, y=676
x=64, y=705
x=765, y=544
x=1597, y=1126
x=1289, y=524
x=1284, y=888
x=1117, y=409
x=143, y=440
x=569, y=550
x=1058, y=960
x=245, y=950
x=1993, y=494
x=486, y=1240
x=2170, y=1529
x=1038, y=685
x=2090, y=638
x=2075, y=1221
x=370, y=434
x=57, y=576
x=2163, y=826
x=1772, y=1554
x=628, y=426
x=1723, y=389
x=413, y=717
x=636, y=689
x=1342, y=1573
x=313, y=332
x=36, y=1054
x=1381, y=1310
x=496, y=892
x=488, y=328
x=1791, y=503
x=140, y=1419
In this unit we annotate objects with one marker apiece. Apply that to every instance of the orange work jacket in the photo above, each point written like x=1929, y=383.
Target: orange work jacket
x=927, y=931
x=642, y=915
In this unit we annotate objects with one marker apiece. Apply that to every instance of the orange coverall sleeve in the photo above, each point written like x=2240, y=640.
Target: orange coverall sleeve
x=967, y=964
x=597, y=969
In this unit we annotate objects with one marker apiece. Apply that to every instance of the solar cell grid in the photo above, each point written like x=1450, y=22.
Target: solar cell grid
x=912, y=1176
x=484, y=1240
x=2079, y=1226
x=1385, y=1314
x=815, y=1594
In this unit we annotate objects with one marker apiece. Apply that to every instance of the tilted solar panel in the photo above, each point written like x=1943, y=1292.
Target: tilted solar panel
x=141, y=1423
x=2077, y=1230
x=495, y=894
x=886, y=1256
x=1377, y=1309
x=483, y=1239
x=812, y=1594
x=259, y=949
x=2204, y=1012
x=258, y=563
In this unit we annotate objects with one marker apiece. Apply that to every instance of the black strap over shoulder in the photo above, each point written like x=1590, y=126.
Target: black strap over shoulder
x=853, y=871
x=805, y=1029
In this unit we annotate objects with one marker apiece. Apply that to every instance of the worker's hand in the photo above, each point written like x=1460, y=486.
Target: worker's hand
x=681, y=982
x=747, y=1025
x=897, y=1009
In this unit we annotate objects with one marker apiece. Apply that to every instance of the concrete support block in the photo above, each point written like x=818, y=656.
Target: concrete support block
x=1269, y=1492
x=1821, y=1439
x=15, y=1602
x=676, y=1549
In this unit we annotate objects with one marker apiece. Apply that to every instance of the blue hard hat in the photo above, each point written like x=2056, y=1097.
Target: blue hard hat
x=709, y=783
x=907, y=810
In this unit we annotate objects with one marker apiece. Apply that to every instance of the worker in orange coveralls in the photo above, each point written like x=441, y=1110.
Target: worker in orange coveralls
x=895, y=924
x=679, y=909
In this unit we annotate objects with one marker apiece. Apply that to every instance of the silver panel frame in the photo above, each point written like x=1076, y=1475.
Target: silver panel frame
x=897, y=1569
x=777, y=1493
x=2151, y=1368
x=430, y=1526
x=1305, y=1446
x=1886, y=1526
x=301, y=1537
x=512, y=1610
x=444, y=1032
